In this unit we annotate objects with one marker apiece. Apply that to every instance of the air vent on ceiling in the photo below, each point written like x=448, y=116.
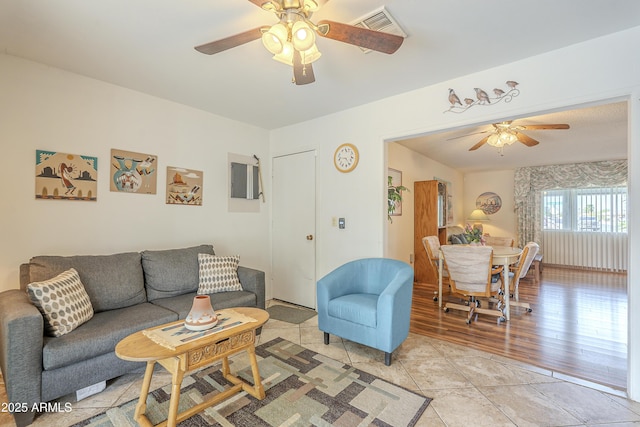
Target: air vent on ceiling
x=379, y=20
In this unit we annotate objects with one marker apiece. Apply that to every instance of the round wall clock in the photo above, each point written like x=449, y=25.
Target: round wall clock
x=346, y=157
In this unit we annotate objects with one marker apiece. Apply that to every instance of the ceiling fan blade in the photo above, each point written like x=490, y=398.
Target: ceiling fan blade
x=302, y=73
x=480, y=144
x=230, y=42
x=468, y=134
x=556, y=126
x=363, y=37
x=528, y=141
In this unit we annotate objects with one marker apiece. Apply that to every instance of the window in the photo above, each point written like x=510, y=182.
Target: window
x=585, y=210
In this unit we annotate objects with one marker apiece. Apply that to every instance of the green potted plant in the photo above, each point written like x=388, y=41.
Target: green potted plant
x=394, y=196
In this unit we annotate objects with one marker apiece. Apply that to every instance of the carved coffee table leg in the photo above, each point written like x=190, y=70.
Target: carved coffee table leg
x=176, y=382
x=141, y=407
x=225, y=366
x=257, y=381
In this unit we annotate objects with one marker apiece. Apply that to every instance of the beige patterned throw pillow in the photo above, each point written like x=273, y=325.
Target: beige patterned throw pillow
x=63, y=302
x=218, y=274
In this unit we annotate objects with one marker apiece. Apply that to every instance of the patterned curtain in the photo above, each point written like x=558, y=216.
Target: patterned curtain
x=530, y=182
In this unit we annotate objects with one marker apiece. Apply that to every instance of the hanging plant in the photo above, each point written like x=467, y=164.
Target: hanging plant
x=394, y=197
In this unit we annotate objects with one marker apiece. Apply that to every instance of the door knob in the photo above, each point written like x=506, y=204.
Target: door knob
x=310, y=237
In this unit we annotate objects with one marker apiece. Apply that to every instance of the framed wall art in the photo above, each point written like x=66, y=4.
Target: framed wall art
x=489, y=202
x=133, y=172
x=65, y=176
x=184, y=186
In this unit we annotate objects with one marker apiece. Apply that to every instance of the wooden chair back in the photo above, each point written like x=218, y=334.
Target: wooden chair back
x=499, y=241
x=470, y=270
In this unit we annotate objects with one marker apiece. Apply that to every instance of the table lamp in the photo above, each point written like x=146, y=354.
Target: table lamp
x=478, y=217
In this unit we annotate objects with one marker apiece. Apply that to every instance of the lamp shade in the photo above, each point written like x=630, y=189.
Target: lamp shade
x=275, y=38
x=311, y=5
x=302, y=36
x=286, y=54
x=478, y=215
x=310, y=55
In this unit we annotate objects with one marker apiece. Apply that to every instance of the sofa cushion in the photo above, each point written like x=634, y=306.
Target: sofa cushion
x=218, y=274
x=172, y=272
x=458, y=239
x=63, y=302
x=181, y=304
x=112, y=281
x=100, y=335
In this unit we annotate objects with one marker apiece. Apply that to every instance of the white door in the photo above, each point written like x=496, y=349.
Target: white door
x=294, y=218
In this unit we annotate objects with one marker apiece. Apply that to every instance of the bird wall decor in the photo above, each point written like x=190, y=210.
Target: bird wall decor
x=481, y=97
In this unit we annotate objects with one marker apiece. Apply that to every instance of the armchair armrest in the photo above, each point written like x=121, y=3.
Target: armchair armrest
x=21, y=341
x=393, y=304
x=253, y=281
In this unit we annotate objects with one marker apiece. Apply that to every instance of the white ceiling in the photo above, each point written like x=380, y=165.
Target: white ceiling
x=147, y=45
x=595, y=133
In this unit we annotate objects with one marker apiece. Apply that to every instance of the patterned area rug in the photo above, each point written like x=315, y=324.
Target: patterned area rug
x=303, y=388
x=290, y=314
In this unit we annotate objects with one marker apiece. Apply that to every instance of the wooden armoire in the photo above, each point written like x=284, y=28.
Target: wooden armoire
x=430, y=198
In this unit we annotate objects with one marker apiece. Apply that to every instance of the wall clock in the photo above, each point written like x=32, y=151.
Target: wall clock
x=346, y=157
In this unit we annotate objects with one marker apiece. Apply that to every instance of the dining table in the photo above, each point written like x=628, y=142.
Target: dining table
x=502, y=255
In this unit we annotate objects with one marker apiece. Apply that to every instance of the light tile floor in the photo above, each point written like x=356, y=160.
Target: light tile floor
x=468, y=387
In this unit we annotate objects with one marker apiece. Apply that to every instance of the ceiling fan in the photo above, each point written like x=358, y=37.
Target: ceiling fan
x=506, y=133
x=292, y=39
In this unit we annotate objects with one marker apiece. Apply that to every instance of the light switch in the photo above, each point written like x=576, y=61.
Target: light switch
x=341, y=223
x=334, y=221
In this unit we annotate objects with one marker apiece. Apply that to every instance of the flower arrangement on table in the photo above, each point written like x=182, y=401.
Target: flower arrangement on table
x=473, y=235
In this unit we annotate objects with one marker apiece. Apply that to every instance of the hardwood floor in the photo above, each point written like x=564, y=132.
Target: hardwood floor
x=578, y=325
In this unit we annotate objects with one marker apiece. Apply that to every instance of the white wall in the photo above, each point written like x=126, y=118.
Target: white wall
x=503, y=222
x=46, y=108
x=416, y=167
x=576, y=75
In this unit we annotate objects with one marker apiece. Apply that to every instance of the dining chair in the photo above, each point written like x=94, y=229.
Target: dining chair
x=470, y=274
x=432, y=247
x=498, y=240
x=519, y=271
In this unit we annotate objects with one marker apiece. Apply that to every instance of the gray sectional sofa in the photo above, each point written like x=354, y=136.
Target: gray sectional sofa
x=129, y=292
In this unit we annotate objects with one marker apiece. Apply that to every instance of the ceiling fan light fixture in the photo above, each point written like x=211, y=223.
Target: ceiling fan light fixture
x=310, y=55
x=302, y=36
x=270, y=6
x=494, y=140
x=501, y=139
x=507, y=138
x=286, y=54
x=311, y=5
x=275, y=38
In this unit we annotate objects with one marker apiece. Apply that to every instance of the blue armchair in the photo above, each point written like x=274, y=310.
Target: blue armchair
x=367, y=301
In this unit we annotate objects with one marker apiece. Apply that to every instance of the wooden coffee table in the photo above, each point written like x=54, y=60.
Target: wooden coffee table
x=193, y=356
